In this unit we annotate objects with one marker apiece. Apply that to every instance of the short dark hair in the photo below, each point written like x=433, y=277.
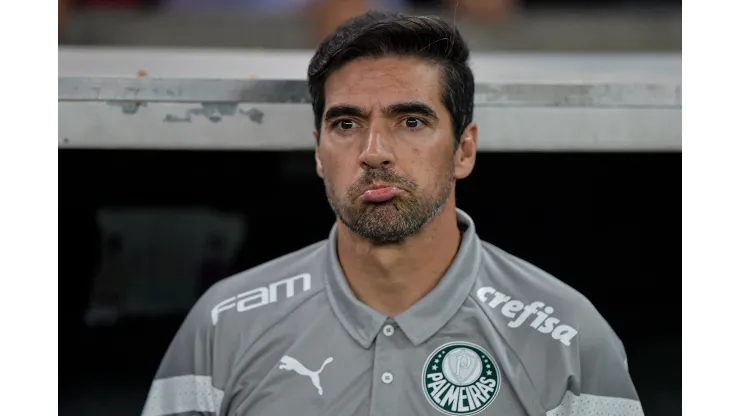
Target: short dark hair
x=377, y=34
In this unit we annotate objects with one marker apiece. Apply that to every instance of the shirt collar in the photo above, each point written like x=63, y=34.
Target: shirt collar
x=424, y=318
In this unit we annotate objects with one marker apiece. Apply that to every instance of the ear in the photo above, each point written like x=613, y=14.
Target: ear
x=319, y=166
x=466, y=151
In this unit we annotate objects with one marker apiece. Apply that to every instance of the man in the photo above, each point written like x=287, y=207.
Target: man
x=402, y=310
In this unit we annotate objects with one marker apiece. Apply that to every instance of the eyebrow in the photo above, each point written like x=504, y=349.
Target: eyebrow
x=344, y=110
x=411, y=107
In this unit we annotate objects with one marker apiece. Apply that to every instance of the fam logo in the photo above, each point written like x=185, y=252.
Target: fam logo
x=460, y=378
x=262, y=296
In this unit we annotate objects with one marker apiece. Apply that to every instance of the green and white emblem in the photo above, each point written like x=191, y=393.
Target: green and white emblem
x=460, y=378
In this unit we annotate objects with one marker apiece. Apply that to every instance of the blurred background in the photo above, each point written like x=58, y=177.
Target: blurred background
x=144, y=232
x=592, y=25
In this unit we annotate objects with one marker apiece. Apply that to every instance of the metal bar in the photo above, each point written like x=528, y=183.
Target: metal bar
x=244, y=126
x=523, y=102
x=250, y=64
x=288, y=91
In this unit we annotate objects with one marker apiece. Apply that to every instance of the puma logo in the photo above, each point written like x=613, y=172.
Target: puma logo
x=291, y=364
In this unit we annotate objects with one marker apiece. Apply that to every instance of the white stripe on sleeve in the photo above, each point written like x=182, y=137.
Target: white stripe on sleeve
x=182, y=394
x=587, y=405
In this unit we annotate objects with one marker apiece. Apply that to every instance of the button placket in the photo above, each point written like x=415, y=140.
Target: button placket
x=385, y=391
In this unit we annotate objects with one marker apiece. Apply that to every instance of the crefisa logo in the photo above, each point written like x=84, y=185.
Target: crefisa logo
x=460, y=378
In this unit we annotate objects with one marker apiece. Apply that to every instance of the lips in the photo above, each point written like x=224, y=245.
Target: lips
x=380, y=193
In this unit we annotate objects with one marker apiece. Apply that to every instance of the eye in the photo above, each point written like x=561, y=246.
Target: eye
x=413, y=123
x=346, y=124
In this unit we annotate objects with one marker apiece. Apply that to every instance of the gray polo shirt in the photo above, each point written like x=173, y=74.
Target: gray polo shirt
x=496, y=336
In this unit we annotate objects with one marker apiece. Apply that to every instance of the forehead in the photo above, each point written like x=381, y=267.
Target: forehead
x=369, y=82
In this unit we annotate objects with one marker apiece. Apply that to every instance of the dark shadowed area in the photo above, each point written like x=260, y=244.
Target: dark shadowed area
x=607, y=224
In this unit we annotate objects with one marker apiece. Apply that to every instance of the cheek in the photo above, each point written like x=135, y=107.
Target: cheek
x=423, y=167
x=337, y=175
x=437, y=164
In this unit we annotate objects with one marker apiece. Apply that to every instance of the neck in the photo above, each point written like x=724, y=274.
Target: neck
x=391, y=278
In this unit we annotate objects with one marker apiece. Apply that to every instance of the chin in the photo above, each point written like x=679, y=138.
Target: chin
x=390, y=207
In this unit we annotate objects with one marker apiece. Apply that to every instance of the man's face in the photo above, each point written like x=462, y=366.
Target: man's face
x=386, y=150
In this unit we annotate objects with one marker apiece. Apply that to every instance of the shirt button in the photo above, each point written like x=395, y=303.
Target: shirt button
x=388, y=330
x=387, y=378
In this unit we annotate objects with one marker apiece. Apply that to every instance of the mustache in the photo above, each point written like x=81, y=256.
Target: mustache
x=380, y=175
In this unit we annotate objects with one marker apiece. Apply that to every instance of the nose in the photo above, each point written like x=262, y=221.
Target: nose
x=378, y=151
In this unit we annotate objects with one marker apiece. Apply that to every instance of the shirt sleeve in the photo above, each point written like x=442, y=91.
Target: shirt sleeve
x=605, y=386
x=185, y=383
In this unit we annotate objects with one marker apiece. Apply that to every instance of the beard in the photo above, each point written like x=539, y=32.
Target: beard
x=394, y=220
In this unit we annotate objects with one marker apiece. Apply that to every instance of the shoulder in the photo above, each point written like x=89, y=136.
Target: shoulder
x=269, y=288
x=530, y=299
x=556, y=333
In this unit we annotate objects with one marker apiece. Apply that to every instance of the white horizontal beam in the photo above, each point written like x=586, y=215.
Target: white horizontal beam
x=259, y=100
x=179, y=63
